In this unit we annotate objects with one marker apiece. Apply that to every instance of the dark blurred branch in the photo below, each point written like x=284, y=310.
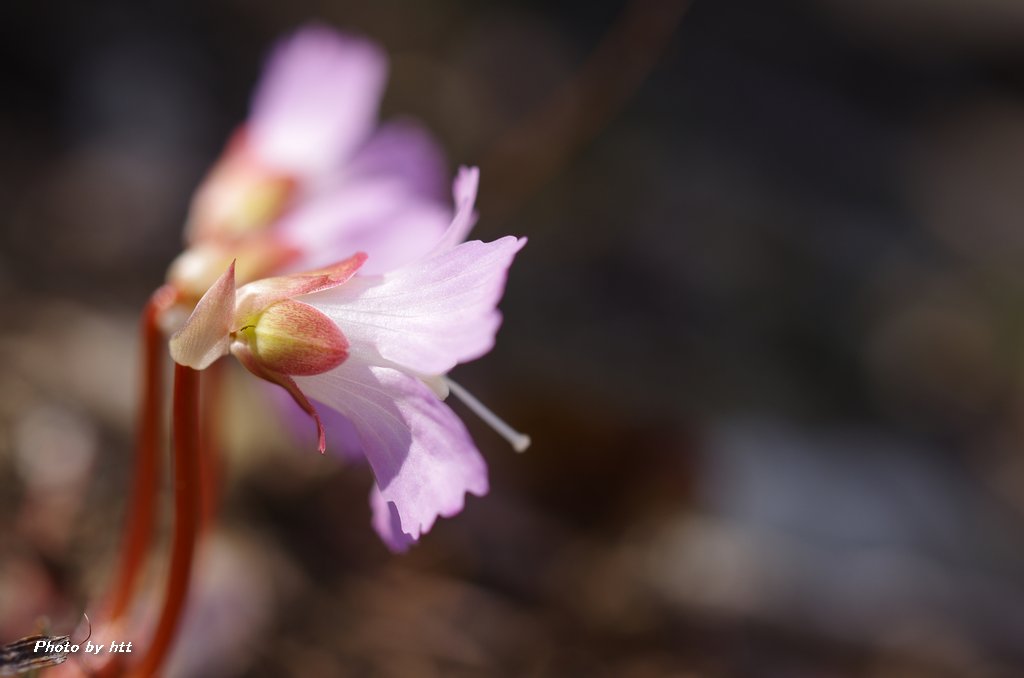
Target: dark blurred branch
x=529, y=154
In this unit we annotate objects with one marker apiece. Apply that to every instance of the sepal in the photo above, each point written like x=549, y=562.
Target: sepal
x=245, y=356
x=205, y=336
x=261, y=294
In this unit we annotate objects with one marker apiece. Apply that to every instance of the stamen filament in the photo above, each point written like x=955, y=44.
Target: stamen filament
x=186, y=516
x=138, y=530
x=519, y=441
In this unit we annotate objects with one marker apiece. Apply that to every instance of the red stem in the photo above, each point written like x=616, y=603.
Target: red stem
x=209, y=458
x=186, y=516
x=138, y=531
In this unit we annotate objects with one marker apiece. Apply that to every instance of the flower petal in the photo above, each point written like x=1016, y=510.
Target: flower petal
x=403, y=150
x=429, y=316
x=379, y=216
x=388, y=523
x=317, y=101
x=205, y=336
x=464, y=190
x=421, y=454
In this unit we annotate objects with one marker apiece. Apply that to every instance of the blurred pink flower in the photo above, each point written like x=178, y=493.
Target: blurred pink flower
x=311, y=178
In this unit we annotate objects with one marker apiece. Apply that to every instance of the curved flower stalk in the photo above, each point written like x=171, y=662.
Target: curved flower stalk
x=376, y=349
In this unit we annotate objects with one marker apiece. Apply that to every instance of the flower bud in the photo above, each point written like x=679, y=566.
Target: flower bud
x=294, y=338
x=240, y=197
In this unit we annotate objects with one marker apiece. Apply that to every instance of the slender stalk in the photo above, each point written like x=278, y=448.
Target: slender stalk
x=186, y=517
x=210, y=464
x=138, y=531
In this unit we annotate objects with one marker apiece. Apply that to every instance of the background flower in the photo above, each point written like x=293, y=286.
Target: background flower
x=310, y=178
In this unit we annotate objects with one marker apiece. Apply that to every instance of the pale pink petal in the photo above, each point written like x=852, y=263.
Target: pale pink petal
x=464, y=190
x=465, y=186
x=205, y=336
x=378, y=216
x=405, y=236
x=317, y=101
x=428, y=316
x=387, y=522
x=404, y=150
x=423, y=458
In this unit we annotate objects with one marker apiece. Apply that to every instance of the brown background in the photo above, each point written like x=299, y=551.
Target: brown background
x=766, y=336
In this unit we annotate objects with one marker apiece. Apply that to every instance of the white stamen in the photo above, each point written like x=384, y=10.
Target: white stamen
x=519, y=441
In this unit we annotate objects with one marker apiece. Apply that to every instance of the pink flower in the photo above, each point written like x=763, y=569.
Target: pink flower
x=310, y=177
x=309, y=180
x=375, y=348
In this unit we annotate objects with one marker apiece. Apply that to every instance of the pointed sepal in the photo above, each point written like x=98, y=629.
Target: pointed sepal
x=258, y=295
x=206, y=335
x=245, y=356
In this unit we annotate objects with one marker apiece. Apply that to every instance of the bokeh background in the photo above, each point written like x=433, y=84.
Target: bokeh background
x=766, y=336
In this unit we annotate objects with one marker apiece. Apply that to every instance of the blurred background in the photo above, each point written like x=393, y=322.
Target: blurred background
x=767, y=336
